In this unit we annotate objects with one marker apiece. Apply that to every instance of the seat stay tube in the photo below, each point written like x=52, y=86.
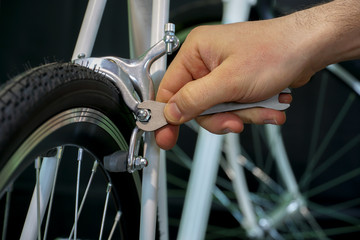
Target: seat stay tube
x=89, y=29
x=143, y=34
x=160, y=16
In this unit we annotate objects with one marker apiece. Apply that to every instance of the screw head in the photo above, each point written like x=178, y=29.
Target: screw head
x=81, y=55
x=143, y=115
x=140, y=163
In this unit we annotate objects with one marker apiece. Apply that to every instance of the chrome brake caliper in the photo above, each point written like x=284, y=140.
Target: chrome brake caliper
x=132, y=78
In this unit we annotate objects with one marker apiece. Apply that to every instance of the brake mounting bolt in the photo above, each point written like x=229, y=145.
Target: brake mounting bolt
x=143, y=115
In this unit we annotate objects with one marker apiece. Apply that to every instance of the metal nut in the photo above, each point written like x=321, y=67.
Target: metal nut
x=81, y=55
x=143, y=115
x=140, y=163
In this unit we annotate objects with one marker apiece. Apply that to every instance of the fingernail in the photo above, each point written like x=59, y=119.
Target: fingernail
x=227, y=130
x=172, y=113
x=270, y=121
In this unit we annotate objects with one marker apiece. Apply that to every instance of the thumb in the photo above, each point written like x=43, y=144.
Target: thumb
x=197, y=96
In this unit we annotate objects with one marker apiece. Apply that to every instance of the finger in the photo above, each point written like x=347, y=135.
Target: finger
x=197, y=96
x=221, y=123
x=186, y=66
x=233, y=121
x=166, y=137
x=262, y=116
x=285, y=98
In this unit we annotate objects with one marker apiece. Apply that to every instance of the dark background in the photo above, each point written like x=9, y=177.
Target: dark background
x=39, y=31
x=34, y=31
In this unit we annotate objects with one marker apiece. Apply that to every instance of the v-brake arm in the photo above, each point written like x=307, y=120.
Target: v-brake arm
x=132, y=78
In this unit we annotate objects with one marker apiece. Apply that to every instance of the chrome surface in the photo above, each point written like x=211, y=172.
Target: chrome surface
x=157, y=119
x=138, y=70
x=172, y=42
x=132, y=163
x=132, y=76
x=140, y=163
x=111, y=70
x=143, y=115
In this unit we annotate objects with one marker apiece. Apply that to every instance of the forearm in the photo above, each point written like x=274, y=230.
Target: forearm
x=333, y=31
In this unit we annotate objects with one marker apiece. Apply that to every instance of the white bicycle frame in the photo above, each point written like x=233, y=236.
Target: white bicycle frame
x=147, y=22
x=147, y=19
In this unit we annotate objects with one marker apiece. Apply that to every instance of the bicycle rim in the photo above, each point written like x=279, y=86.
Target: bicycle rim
x=66, y=143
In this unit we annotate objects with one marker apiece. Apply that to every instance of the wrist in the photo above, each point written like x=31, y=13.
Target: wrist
x=329, y=33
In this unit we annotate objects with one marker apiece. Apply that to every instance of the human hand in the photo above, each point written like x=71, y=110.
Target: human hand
x=248, y=62
x=243, y=62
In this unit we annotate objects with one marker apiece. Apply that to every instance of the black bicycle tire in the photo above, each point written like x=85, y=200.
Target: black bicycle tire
x=32, y=98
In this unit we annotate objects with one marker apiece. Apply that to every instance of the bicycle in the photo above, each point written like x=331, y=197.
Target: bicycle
x=105, y=130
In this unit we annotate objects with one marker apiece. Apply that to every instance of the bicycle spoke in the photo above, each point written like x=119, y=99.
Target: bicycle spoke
x=341, y=230
x=334, y=214
x=317, y=119
x=315, y=227
x=40, y=197
x=37, y=169
x=269, y=164
x=314, y=160
x=348, y=204
x=275, y=234
x=215, y=232
x=332, y=183
x=116, y=221
x=58, y=158
x=93, y=171
x=108, y=190
x=294, y=227
x=263, y=162
x=257, y=145
x=225, y=201
x=177, y=152
x=336, y=156
x=300, y=229
x=7, y=211
x=260, y=174
x=176, y=181
x=79, y=159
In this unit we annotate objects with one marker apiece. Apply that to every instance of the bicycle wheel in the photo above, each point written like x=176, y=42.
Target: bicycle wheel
x=321, y=139
x=69, y=117
x=322, y=143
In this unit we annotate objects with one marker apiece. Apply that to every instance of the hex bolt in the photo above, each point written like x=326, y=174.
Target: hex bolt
x=143, y=115
x=81, y=55
x=140, y=163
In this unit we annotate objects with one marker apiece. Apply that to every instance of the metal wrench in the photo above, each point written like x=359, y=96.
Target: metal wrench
x=153, y=118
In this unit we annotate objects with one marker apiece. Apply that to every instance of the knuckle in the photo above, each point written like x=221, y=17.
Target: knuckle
x=188, y=100
x=197, y=32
